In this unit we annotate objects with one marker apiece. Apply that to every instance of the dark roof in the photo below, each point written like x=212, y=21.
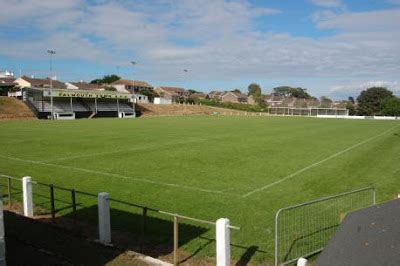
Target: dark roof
x=86, y=86
x=197, y=95
x=370, y=236
x=44, y=82
x=6, y=82
x=237, y=94
x=216, y=93
x=135, y=83
x=172, y=89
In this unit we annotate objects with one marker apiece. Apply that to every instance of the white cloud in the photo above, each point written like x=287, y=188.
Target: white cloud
x=382, y=20
x=354, y=88
x=215, y=39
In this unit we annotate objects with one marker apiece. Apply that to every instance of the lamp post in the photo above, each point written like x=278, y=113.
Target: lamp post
x=51, y=53
x=186, y=94
x=133, y=63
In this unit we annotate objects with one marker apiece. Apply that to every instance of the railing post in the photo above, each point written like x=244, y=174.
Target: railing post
x=104, y=218
x=302, y=262
x=27, y=196
x=176, y=240
x=9, y=191
x=53, y=209
x=223, y=242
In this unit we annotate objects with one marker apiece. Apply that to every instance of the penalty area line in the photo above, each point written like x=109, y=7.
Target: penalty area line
x=119, y=176
x=316, y=163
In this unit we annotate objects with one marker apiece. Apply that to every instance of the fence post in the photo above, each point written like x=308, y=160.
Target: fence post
x=176, y=240
x=302, y=262
x=53, y=208
x=9, y=191
x=223, y=242
x=104, y=218
x=27, y=195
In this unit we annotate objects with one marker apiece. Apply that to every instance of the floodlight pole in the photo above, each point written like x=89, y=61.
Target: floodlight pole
x=133, y=63
x=51, y=53
x=185, y=71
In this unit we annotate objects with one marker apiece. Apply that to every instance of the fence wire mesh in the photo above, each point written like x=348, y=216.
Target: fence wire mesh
x=304, y=229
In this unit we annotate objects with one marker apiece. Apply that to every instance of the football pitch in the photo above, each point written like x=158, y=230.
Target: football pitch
x=208, y=167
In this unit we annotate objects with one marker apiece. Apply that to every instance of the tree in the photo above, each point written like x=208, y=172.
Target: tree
x=254, y=89
x=391, y=106
x=107, y=79
x=287, y=91
x=370, y=101
x=325, y=102
x=351, y=100
x=191, y=91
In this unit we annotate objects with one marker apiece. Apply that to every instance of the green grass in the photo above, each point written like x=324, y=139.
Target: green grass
x=198, y=156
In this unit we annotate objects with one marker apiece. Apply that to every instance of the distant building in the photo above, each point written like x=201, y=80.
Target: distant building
x=161, y=100
x=140, y=98
x=197, y=96
x=250, y=100
x=27, y=82
x=214, y=95
x=132, y=86
x=7, y=85
x=6, y=74
x=83, y=86
x=234, y=97
x=173, y=93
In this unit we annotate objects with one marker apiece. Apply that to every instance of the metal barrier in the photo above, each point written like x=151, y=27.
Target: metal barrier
x=304, y=229
x=73, y=205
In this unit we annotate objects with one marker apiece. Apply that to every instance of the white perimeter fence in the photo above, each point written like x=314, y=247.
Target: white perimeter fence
x=222, y=226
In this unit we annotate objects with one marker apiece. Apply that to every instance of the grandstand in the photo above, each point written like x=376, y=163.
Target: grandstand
x=71, y=104
x=308, y=111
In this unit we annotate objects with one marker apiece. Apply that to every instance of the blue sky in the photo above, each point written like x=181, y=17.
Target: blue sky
x=330, y=47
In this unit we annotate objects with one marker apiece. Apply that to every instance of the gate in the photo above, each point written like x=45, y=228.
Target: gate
x=304, y=229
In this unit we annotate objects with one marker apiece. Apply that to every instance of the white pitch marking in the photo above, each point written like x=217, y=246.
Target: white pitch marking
x=126, y=150
x=117, y=175
x=316, y=164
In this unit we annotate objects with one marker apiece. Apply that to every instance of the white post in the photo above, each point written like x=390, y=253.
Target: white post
x=302, y=262
x=223, y=242
x=27, y=196
x=104, y=218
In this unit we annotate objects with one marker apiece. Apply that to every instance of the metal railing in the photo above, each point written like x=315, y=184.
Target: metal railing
x=304, y=229
x=145, y=209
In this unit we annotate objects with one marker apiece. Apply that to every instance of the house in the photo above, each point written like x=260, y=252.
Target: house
x=27, y=82
x=7, y=84
x=274, y=100
x=234, y=97
x=251, y=100
x=197, y=96
x=173, y=93
x=140, y=98
x=6, y=74
x=83, y=86
x=214, y=95
x=132, y=86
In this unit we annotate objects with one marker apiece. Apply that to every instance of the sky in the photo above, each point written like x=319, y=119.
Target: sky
x=334, y=48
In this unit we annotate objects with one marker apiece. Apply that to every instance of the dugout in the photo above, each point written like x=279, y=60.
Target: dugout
x=71, y=104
